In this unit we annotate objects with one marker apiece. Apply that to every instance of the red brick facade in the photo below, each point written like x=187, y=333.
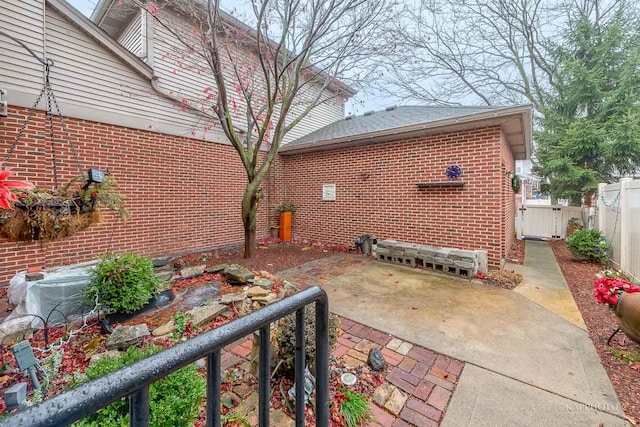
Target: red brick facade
x=377, y=192
x=183, y=194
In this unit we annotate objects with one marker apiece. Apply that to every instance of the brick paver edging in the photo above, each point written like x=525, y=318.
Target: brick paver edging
x=422, y=382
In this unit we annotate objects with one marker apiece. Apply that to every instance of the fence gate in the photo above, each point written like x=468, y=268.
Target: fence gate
x=548, y=222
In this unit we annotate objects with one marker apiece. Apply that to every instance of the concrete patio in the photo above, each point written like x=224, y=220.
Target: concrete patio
x=528, y=358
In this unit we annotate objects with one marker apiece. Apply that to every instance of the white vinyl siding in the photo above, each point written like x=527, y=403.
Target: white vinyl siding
x=90, y=82
x=132, y=38
x=323, y=114
x=22, y=20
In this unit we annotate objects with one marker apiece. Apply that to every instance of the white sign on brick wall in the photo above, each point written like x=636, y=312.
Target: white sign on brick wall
x=329, y=192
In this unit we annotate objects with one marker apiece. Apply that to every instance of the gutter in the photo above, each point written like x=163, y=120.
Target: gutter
x=525, y=109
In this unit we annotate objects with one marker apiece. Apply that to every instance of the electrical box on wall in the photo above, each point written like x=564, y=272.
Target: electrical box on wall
x=3, y=103
x=329, y=192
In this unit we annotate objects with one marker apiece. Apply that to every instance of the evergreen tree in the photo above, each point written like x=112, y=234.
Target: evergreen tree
x=590, y=131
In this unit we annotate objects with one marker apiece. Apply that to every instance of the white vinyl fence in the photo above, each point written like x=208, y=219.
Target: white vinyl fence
x=619, y=220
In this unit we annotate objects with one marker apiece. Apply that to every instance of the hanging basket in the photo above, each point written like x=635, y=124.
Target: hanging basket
x=52, y=215
x=44, y=215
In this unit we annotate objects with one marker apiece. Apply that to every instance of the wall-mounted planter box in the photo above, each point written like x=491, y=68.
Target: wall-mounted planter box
x=448, y=184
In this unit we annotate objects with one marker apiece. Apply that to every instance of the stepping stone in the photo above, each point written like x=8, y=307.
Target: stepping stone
x=188, y=272
x=237, y=274
x=205, y=314
x=257, y=291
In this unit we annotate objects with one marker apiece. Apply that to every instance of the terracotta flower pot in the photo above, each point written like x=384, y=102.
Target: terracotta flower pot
x=628, y=314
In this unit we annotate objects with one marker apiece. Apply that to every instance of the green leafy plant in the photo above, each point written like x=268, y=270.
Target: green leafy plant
x=174, y=400
x=123, y=283
x=629, y=356
x=287, y=335
x=180, y=323
x=354, y=408
x=589, y=245
x=286, y=207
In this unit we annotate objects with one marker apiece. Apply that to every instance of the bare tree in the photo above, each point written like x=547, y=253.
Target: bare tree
x=488, y=51
x=264, y=75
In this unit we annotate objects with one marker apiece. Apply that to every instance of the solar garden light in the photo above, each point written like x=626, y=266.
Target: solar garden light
x=26, y=360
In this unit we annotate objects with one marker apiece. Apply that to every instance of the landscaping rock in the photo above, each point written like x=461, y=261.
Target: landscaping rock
x=187, y=272
x=376, y=360
x=165, y=329
x=237, y=274
x=263, y=283
x=382, y=393
x=396, y=402
x=179, y=263
x=110, y=353
x=124, y=337
x=216, y=268
x=289, y=286
x=257, y=291
x=205, y=314
x=233, y=298
x=266, y=299
x=159, y=262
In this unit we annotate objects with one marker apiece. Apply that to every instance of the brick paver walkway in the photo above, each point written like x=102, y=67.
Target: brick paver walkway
x=419, y=382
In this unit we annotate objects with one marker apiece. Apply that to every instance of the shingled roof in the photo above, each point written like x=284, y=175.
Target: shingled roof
x=404, y=121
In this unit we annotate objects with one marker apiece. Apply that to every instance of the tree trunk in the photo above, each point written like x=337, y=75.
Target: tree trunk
x=250, y=202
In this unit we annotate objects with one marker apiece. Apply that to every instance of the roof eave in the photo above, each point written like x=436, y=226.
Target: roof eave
x=97, y=34
x=430, y=127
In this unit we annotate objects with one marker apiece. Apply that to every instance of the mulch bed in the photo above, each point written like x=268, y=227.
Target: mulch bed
x=601, y=322
x=516, y=253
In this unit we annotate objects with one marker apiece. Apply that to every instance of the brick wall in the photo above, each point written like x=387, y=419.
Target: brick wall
x=183, y=194
x=509, y=204
x=377, y=193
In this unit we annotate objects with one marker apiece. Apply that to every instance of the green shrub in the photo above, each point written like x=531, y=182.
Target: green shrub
x=589, y=245
x=174, y=400
x=287, y=335
x=123, y=283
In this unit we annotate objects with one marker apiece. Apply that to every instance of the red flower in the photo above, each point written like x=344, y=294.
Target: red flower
x=6, y=196
x=609, y=289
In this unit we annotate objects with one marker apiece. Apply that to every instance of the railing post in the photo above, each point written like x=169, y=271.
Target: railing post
x=623, y=212
x=213, y=389
x=299, y=367
x=602, y=209
x=322, y=362
x=139, y=408
x=264, y=376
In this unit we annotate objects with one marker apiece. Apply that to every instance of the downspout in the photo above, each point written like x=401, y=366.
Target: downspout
x=44, y=39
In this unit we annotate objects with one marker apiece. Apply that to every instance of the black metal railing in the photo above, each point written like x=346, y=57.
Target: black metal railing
x=134, y=380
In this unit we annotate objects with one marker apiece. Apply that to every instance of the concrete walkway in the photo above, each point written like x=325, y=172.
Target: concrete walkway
x=528, y=359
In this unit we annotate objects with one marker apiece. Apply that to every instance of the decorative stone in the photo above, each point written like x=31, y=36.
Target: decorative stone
x=263, y=283
x=233, y=298
x=396, y=402
x=376, y=360
x=124, y=337
x=216, y=268
x=257, y=291
x=289, y=286
x=237, y=274
x=159, y=262
x=187, y=272
x=165, y=329
x=179, y=263
x=113, y=354
x=266, y=299
x=382, y=393
x=205, y=314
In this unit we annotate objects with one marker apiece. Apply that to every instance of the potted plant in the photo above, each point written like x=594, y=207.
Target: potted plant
x=614, y=289
x=28, y=213
x=285, y=211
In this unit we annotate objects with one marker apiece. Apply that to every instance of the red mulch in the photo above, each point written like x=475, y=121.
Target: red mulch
x=601, y=322
x=516, y=253
x=272, y=255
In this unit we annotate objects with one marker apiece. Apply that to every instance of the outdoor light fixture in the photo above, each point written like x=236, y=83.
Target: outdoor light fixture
x=509, y=174
x=96, y=176
x=26, y=360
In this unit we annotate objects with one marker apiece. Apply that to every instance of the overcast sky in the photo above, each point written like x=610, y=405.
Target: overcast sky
x=357, y=105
